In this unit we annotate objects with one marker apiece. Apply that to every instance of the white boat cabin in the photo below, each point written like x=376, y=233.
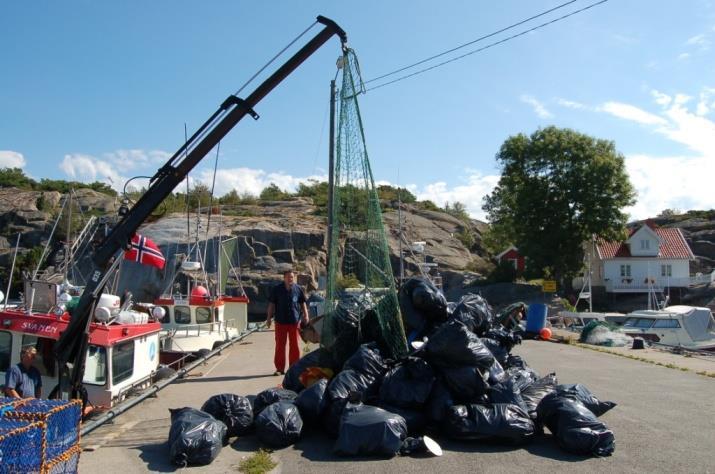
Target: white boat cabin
x=680, y=326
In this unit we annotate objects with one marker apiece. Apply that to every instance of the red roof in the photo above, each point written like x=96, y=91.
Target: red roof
x=672, y=245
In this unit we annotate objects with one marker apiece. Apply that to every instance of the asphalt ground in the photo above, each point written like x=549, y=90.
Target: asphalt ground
x=663, y=422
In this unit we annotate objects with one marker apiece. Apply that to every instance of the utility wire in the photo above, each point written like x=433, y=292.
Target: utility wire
x=509, y=38
x=470, y=43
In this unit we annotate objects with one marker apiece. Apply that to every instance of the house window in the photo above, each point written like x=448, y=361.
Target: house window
x=645, y=244
x=625, y=270
x=666, y=270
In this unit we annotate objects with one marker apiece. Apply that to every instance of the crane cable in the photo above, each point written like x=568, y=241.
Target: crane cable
x=490, y=45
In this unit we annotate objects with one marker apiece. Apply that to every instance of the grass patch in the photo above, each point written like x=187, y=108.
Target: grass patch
x=259, y=462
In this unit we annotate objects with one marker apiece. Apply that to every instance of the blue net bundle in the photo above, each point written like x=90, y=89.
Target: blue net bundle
x=60, y=417
x=22, y=446
x=65, y=463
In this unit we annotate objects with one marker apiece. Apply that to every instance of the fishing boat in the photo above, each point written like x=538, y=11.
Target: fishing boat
x=123, y=353
x=689, y=327
x=199, y=316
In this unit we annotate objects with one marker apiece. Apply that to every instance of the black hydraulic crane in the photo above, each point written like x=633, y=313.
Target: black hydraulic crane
x=71, y=349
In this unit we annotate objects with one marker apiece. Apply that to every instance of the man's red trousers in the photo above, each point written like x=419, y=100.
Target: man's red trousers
x=283, y=332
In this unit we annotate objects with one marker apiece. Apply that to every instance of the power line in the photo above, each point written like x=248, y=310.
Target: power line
x=490, y=45
x=470, y=42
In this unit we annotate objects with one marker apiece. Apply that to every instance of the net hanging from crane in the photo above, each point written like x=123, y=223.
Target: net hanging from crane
x=362, y=302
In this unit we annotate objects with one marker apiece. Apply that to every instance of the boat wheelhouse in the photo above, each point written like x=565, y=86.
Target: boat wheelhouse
x=123, y=350
x=689, y=327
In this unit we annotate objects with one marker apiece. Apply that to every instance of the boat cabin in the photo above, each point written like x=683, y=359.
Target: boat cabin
x=121, y=356
x=680, y=326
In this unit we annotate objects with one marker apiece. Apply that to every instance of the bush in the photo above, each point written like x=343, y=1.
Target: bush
x=503, y=273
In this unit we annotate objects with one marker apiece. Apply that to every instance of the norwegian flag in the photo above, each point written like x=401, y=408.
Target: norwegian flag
x=145, y=252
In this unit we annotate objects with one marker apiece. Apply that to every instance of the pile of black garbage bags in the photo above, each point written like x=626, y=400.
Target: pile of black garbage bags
x=459, y=380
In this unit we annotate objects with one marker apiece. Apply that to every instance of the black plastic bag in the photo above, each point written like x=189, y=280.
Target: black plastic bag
x=332, y=415
x=367, y=360
x=497, y=422
x=467, y=384
x=506, y=339
x=499, y=352
x=507, y=392
x=350, y=381
x=195, y=437
x=453, y=344
x=575, y=427
x=234, y=411
x=344, y=323
x=271, y=396
x=515, y=361
x=279, y=425
x=535, y=392
x=440, y=400
x=523, y=377
x=312, y=401
x=582, y=394
x=317, y=358
x=369, y=430
x=421, y=304
x=416, y=419
x=408, y=385
x=496, y=373
x=474, y=312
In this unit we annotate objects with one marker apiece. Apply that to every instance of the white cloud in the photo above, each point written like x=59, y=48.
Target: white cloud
x=706, y=103
x=251, y=180
x=701, y=41
x=539, y=108
x=660, y=98
x=633, y=113
x=82, y=167
x=136, y=158
x=471, y=194
x=680, y=182
x=697, y=40
x=11, y=159
x=683, y=56
x=570, y=104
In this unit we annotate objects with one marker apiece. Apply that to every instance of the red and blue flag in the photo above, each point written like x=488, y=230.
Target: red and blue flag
x=145, y=252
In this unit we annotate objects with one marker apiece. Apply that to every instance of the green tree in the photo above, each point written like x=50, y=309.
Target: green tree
x=557, y=188
x=15, y=177
x=457, y=210
x=273, y=193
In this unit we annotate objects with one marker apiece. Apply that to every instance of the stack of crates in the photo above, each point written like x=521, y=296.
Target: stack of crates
x=59, y=440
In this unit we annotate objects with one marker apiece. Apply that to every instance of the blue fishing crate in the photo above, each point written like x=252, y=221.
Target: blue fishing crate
x=22, y=446
x=60, y=417
x=66, y=463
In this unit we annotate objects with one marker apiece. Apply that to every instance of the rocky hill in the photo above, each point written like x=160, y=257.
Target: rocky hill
x=274, y=235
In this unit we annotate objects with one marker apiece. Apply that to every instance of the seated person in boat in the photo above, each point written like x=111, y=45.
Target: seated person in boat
x=23, y=380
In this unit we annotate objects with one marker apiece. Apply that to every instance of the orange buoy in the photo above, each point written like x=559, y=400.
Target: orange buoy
x=545, y=334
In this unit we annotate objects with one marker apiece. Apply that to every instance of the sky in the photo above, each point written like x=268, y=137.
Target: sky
x=101, y=91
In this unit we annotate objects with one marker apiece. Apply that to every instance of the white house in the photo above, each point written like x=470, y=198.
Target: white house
x=651, y=257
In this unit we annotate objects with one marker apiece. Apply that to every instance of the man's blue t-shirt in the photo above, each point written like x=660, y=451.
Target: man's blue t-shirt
x=23, y=381
x=288, y=302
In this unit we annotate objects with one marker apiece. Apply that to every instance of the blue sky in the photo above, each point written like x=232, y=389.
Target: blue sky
x=101, y=90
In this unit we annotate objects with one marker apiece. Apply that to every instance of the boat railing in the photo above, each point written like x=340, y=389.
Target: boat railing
x=189, y=330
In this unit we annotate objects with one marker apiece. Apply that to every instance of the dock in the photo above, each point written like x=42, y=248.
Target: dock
x=663, y=421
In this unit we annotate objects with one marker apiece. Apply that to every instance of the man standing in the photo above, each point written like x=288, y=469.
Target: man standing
x=286, y=303
x=23, y=380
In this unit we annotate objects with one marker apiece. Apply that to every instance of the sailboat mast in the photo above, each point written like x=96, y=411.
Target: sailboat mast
x=69, y=236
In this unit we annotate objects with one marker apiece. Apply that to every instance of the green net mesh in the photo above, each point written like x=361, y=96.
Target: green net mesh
x=362, y=302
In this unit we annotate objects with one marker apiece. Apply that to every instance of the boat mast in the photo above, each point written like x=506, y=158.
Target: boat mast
x=69, y=234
